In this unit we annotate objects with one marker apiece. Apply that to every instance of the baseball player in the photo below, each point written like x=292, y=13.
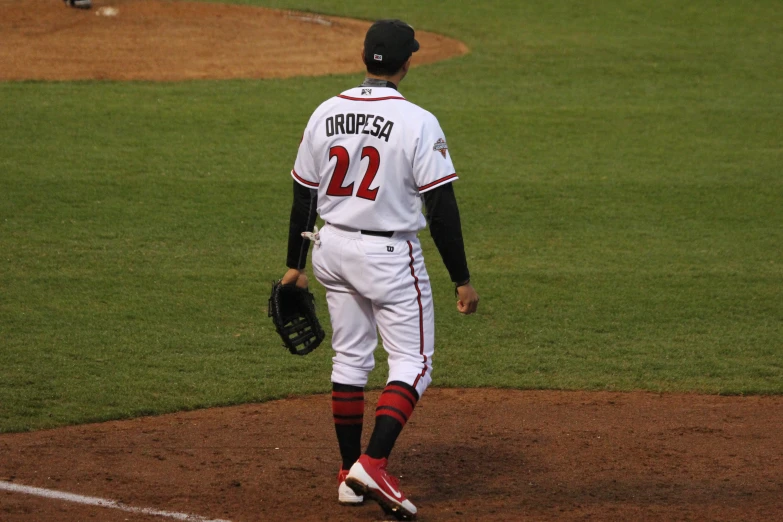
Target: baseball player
x=367, y=159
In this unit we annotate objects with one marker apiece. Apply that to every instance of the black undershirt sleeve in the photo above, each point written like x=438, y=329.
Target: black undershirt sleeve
x=303, y=216
x=446, y=230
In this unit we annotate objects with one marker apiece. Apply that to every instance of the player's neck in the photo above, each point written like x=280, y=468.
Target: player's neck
x=372, y=80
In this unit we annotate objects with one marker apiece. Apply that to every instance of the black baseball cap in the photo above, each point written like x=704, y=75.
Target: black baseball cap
x=388, y=44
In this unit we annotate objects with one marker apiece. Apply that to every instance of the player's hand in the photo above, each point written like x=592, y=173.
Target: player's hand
x=468, y=299
x=295, y=276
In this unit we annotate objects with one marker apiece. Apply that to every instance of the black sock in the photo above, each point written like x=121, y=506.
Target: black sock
x=395, y=407
x=348, y=413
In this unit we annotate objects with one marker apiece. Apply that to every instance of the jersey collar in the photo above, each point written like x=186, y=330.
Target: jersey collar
x=372, y=93
x=376, y=82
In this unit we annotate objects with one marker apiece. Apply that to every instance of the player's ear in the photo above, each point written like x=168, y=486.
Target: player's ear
x=361, y=56
x=404, y=69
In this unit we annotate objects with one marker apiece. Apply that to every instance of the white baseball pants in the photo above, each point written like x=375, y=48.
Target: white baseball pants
x=377, y=284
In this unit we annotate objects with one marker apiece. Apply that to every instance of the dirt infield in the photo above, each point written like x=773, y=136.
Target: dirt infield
x=170, y=40
x=465, y=455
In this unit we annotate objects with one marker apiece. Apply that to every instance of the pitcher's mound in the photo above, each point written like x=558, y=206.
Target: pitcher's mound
x=170, y=40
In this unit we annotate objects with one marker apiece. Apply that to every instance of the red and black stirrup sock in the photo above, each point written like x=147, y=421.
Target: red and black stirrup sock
x=348, y=412
x=395, y=407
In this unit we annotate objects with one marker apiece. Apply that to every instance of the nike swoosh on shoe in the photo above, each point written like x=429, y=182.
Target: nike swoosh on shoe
x=396, y=493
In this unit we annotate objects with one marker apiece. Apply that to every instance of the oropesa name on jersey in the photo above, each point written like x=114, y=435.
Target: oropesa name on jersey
x=351, y=123
x=370, y=153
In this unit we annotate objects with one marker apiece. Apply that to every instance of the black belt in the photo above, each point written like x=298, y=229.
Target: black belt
x=382, y=233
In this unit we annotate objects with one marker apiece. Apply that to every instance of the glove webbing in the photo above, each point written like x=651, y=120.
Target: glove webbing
x=300, y=331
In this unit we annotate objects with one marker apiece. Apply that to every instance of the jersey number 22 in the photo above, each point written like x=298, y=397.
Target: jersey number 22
x=336, y=187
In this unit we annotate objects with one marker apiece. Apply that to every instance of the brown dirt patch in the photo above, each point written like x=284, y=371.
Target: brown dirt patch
x=171, y=40
x=465, y=455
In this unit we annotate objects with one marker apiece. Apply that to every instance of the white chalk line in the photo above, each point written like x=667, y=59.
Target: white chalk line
x=102, y=502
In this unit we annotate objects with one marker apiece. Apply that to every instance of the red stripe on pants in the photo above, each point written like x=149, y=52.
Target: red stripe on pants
x=421, y=316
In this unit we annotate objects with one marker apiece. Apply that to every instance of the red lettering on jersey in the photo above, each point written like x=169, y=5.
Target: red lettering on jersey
x=336, y=187
x=340, y=170
x=372, y=169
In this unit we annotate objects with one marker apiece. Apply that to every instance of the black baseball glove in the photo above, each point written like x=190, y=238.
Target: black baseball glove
x=292, y=310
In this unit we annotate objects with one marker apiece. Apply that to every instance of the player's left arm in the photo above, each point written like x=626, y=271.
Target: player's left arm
x=446, y=230
x=434, y=174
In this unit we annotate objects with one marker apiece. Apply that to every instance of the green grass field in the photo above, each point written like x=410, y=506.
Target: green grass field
x=621, y=196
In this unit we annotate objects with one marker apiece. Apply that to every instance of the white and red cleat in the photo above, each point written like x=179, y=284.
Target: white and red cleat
x=368, y=477
x=345, y=495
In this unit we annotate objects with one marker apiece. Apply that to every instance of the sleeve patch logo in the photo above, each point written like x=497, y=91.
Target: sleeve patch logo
x=441, y=147
x=366, y=92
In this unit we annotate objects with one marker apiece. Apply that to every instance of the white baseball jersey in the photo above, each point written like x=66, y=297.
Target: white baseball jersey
x=371, y=153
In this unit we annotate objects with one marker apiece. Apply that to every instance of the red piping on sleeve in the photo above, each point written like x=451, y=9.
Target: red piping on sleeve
x=437, y=182
x=302, y=180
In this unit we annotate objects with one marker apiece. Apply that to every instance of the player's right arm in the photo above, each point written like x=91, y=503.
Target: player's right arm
x=303, y=207
x=302, y=219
